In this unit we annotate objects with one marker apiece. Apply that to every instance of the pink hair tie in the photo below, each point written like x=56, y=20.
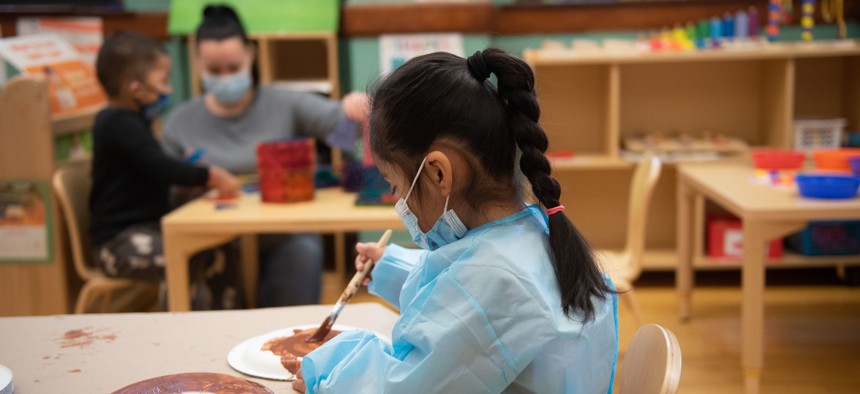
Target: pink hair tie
x=553, y=211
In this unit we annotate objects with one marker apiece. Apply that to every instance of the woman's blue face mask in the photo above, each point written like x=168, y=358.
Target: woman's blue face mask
x=447, y=229
x=228, y=89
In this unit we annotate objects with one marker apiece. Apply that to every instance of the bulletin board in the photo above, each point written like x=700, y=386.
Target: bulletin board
x=261, y=16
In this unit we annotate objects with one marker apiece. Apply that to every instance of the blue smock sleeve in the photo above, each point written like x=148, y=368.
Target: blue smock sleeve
x=391, y=271
x=447, y=340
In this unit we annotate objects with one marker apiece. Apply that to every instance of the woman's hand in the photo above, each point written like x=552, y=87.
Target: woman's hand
x=367, y=252
x=356, y=106
x=223, y=181
x=299, y=383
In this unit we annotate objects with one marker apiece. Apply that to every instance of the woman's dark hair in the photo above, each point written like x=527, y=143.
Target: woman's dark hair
x=221, y=22
x=444, y=98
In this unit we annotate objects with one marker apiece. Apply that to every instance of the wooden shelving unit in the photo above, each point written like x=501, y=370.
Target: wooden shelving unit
x=298, y=61
x=27, y=135
x=591, y=102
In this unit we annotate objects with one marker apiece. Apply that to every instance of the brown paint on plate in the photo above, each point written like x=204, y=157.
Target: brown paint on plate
x=195, y=381
x=295, y=346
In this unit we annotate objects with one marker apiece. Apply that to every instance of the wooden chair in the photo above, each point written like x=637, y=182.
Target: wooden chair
x=624, y=267
x=652, y=364
x=72, y=186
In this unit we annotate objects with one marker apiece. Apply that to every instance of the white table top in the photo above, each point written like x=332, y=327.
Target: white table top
x=730, y=185
x=121, y=349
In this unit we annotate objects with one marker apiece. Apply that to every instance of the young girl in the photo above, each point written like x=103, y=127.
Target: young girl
x=505, y=297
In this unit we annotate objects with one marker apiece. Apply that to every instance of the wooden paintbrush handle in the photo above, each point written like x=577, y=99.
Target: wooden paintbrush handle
x=353, y=285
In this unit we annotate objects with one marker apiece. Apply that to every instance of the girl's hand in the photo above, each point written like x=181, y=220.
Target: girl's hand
x=299, y=383
x=367, y=252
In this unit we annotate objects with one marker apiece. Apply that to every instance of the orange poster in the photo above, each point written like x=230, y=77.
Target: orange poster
x=72, y=82
x=84, y=33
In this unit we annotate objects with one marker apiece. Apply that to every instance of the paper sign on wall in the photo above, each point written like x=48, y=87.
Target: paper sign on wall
x=25, y=221
x=85, y=34
x=72, y=84
x=396, y=49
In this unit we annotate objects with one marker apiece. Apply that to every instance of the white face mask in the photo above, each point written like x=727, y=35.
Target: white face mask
x=448, y=228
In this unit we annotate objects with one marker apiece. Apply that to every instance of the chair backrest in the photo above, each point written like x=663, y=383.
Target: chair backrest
x=72, y=184
x=652, y=364
x=641, y=188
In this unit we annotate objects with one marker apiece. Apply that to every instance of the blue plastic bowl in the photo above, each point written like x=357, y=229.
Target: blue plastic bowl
x=831, y=186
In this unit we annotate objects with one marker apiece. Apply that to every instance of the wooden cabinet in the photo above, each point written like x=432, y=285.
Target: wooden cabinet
x=27, y=134
x=591, y=103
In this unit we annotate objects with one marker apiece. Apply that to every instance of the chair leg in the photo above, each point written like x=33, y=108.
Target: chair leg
x=84, y=299
x=632, y=303
x=107, y=297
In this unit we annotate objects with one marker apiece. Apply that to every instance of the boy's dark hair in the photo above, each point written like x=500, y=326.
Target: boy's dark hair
x=444, y=98
x=125, y=55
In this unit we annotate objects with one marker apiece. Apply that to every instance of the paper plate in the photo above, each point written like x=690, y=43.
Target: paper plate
x=248, y=359
x=6, y=386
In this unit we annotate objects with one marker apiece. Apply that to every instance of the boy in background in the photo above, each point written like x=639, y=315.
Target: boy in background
x=132, y=176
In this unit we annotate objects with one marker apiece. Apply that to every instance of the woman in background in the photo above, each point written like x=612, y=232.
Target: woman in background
x=233, y=116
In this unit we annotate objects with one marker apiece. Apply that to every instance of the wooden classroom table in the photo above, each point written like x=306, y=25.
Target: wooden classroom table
x=767, y=213
x=119, y=349
x=198, y=225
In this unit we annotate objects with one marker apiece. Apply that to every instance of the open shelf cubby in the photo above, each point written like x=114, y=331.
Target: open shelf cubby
x=591, y=102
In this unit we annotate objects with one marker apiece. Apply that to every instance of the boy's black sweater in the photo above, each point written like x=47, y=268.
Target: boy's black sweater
x=131, y=174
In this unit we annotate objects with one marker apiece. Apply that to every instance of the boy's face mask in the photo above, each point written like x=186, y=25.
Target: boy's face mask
x=228, y=89
x=448, y=227
x=156, y=108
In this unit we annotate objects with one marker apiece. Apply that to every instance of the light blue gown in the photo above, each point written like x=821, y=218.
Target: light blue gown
x=480, y=315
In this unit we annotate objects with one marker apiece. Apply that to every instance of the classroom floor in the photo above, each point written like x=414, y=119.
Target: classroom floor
x=812, y=331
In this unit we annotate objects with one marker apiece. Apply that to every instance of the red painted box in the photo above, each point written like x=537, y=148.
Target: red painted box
x=725, y=239
x=286, y=170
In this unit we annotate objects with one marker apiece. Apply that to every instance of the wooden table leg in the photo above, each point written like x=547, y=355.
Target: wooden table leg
x=340, y=258
x=251, y=267
x=752, y=306
x=756, y=237
x=178, y=249
x=684, y=228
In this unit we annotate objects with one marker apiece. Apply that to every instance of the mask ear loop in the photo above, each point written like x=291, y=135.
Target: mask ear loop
x=414, y=181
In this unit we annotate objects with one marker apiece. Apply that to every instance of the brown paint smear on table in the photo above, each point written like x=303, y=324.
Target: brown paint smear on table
x=195, y=381
x=84, y=337
x=292, y=347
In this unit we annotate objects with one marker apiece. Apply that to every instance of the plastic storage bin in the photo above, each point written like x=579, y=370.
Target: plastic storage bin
x=725, y=239
x=827, y=239
x=812, y=134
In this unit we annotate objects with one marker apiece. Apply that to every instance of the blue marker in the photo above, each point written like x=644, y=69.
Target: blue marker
x=728, y=26
x=194, y=157
x=716, y=31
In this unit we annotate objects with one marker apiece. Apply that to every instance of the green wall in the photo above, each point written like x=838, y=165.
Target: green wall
x=360, y=56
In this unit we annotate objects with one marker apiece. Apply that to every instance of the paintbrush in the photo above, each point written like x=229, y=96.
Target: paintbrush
x=347, y=294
